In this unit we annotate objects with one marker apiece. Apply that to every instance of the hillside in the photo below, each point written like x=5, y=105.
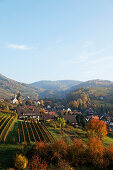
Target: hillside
x=98, y=98
x=8, y=87
x=93, y=84
x=54, y=89
x=43, y=89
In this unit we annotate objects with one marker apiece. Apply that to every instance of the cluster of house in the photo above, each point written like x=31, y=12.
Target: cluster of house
x=52, y=113
x=48, y=114
x=106, y=118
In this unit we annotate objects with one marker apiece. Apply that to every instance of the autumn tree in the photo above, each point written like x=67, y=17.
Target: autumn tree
x=19, y=99
x=42, y=102
x=29, y=102
x=43, y=111
x=21, y=162
x=57, y=152
x=73, y=104
x=96, y=127
x=36, y=164
x=18, y=95
x=61, y=122
x=52, y=153
x=76, y=152
x=95, y=152
x=108, y=156
x=7, y=108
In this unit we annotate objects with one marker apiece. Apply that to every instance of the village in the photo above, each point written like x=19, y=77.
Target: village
x=46, y=110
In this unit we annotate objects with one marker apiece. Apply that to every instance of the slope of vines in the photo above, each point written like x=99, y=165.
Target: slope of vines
x=13, y=131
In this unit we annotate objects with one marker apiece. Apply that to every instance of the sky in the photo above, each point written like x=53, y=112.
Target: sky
x=56, y=39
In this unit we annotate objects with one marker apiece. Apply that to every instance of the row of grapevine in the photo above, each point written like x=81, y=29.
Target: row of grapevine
x=27, y=130
x=52, y=139
x=40, y=132
x=6, y=127
x=2, y=117
x=44, y=133
x=21, y=131
x=4, y=121
x=9, y=129
x=36, y=131
x=31, y=131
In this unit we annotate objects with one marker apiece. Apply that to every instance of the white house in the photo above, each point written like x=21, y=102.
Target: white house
x=15, y=101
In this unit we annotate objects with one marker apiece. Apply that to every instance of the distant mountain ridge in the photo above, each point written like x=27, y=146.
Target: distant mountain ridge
x=47, y=88
x=44, y=88
x=57, y=85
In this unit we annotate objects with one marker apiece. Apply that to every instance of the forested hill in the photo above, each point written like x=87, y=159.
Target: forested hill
x=50, y=89
x=97, y=98
x=93, y=84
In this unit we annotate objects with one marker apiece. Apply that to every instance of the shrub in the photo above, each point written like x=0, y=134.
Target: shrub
x=56, y=152
x=21, y=162
x=108, y=156
x=76, y=152
x=41, y=149
x=95, y=152
x=36, y=164
x=63, y=165
x=51, y=153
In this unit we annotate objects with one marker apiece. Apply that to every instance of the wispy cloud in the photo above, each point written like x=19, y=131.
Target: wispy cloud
x=21, y=47
x=100, y=60
x=94, y=58
x=101, y=50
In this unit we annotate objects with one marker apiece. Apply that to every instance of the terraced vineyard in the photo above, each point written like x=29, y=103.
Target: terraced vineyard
x=13, y=131
x=6, y=123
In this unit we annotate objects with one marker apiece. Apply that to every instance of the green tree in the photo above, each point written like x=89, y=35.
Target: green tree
x=6, y=108
x=61, y=122
x=81, y=120
x=42, y=102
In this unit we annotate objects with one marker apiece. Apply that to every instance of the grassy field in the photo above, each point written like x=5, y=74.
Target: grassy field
x=76, y=133
x=7, y=154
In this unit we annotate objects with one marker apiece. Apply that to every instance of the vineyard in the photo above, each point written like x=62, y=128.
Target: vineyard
x=13, y=131
x=6, y=123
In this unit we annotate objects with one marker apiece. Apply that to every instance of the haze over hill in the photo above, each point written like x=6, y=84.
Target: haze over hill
x=54, y=89
x=56, y=85
x=41, y=88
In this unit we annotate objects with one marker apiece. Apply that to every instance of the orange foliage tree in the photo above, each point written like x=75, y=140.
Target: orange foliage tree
x=63, y=156
x=36, y=163
x=95, y=152
x=96, y=127
x=76, y=152
x=57, y=151
x=51, y=153
x=108, y=156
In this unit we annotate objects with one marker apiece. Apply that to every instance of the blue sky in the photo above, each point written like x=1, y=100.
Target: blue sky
x=56, y=39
